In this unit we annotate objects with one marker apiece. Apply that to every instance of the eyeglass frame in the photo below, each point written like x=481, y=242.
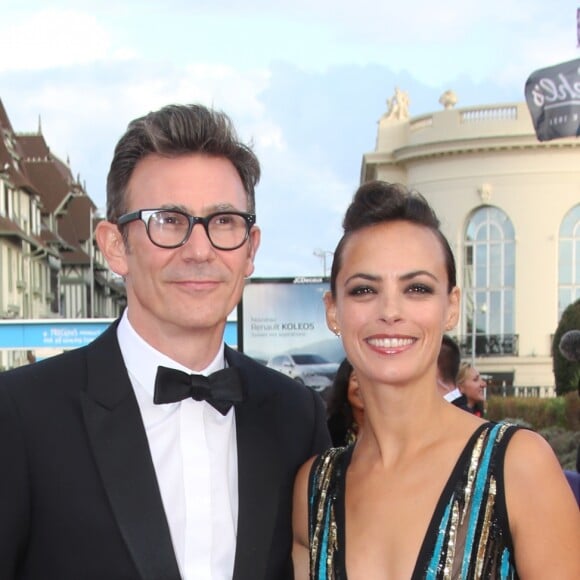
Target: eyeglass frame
x=127, y=218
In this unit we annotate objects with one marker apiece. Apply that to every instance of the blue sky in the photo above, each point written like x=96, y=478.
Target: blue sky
x=305, y=81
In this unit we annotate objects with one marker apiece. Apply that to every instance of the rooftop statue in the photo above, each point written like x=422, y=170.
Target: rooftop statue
x=398, y=106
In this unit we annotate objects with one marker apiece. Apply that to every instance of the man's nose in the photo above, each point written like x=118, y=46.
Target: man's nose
x=197, y=246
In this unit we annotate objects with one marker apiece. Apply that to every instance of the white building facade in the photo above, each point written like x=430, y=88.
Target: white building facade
x=510, y=208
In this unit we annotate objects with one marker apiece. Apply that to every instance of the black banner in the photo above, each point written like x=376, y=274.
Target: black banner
x=553, y=97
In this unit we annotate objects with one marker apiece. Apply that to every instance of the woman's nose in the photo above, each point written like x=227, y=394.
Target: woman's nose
x=391, y=307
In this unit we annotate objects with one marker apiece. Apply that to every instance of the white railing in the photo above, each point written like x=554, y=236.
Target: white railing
x=483, y=114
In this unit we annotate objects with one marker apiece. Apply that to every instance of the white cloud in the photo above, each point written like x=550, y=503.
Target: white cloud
x=84, y=111
x=50, y=39
x=390, y=21
x=300, y=204
x=304, y=81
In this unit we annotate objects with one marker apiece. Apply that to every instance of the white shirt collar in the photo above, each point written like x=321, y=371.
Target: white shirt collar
x=142, y=360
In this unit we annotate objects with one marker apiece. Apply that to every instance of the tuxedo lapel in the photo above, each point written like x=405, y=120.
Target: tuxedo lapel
x=258, y=469
x=121, y=450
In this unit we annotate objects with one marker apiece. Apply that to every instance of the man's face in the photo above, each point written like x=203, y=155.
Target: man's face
x=193, y=288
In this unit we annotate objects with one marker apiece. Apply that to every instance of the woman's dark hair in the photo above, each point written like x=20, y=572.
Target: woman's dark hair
x=449, y=360
x=173, y=131
x=378, y=202
x=338, y=410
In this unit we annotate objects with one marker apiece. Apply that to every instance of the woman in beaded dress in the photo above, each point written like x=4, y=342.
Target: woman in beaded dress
x=427, y=490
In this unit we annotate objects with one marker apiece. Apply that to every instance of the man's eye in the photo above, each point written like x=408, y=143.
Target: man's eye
x=224, y=219
x=170, y=219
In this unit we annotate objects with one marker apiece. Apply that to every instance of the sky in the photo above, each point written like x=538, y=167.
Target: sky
x=304, y=81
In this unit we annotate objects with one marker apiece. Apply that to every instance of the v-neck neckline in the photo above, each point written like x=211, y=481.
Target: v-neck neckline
x=430, y=536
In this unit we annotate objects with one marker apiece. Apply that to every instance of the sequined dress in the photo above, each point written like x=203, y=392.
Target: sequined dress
x=468, y=536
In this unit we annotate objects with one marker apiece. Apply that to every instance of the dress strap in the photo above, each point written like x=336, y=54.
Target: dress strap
x=324, y=488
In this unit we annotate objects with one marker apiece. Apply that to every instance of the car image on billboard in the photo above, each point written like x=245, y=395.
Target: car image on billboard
x=310, y=369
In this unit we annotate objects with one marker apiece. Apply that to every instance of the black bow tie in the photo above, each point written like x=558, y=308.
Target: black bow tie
x=221, y=389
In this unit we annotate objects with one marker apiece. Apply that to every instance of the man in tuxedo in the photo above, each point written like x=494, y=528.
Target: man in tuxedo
x=118, y=462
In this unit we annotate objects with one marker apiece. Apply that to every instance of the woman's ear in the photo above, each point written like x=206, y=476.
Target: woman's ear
x=113, y=246
x=330, y=306
x=454, y=307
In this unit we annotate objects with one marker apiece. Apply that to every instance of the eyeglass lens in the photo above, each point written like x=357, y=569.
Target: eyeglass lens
x=171, y=229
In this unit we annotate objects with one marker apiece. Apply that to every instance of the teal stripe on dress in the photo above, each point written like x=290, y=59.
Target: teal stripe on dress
x=480, y=482
x=324, y=546
x=505, y=570
x=311, y=525
x=434, y=563
x=315, y=484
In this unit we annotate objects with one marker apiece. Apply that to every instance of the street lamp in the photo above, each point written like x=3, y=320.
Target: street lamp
x=322, y=254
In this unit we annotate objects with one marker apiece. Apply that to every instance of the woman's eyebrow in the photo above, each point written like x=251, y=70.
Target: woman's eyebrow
x=403, y=277
x=363, y=276
x=415, y=273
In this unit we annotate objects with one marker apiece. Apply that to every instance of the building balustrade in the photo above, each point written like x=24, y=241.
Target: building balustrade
x=489, y=345
x=521, y=391
x=499, y=113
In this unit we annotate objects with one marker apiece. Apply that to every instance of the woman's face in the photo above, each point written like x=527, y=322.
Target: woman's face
x=473, y=387
x=392, y=305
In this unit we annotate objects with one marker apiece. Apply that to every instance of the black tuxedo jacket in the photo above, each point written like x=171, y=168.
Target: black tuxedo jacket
x=78, y=493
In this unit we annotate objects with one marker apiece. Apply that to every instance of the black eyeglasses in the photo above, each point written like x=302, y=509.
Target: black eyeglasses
x=171, y=228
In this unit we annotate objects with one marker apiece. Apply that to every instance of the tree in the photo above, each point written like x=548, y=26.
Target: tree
x=566, y=372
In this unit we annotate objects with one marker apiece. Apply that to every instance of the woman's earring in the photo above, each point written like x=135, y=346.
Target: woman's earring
x=336, y=331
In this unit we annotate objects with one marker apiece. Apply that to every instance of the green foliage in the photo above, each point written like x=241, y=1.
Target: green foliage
x=572, y=411
x=556, y=419
x=566, y=373
x=536, y=412
x=565, y=445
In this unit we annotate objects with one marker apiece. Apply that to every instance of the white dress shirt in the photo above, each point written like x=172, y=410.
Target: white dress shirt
x=194, y=453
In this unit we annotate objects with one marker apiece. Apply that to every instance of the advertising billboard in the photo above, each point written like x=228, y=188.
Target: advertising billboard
x=282, y=323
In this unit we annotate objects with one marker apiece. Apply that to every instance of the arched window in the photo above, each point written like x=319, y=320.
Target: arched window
x=488, y=284
x=569, y=260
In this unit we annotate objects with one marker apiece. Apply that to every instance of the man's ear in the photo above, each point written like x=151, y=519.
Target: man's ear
x=112, y=245
x=253, y=245
x=330, y=306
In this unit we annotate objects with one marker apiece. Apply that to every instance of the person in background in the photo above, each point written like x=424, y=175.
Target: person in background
x=448, y=363
x=345, y=408
x=428, y=491
x=472, y=387
x=157, y=452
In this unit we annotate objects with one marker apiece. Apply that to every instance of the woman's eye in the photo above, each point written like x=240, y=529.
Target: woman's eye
x=419, y=289
x=361, y=291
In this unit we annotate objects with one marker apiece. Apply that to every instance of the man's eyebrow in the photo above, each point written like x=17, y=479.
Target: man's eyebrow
x=211, y=209
x=172, y=206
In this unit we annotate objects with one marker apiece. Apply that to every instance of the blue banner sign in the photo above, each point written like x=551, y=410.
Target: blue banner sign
x=66, y=334
x=61, y=334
